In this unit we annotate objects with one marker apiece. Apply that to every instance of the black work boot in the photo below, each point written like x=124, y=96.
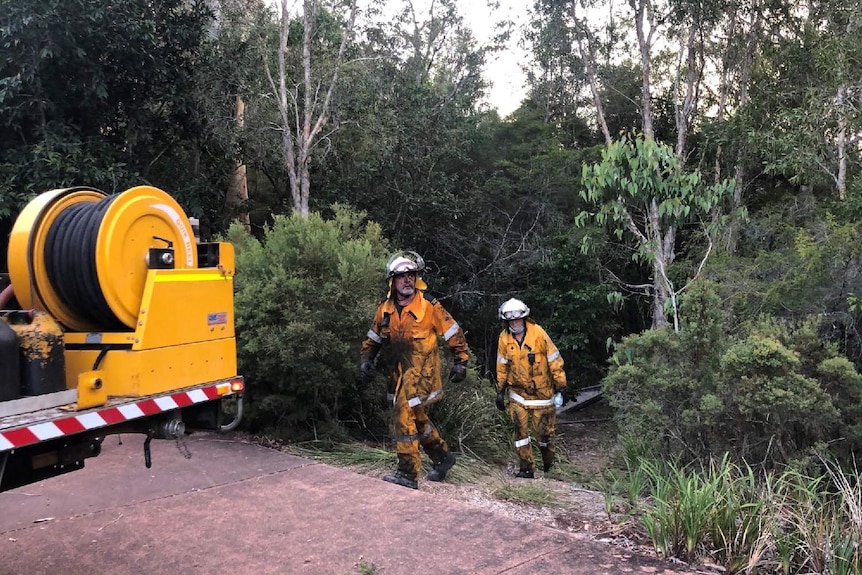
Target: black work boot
x=401, y=478
x=526, y=474
x=548, y=465
x=441, y=469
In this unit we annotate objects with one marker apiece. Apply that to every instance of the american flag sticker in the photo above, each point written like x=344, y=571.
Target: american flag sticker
x=217, y=318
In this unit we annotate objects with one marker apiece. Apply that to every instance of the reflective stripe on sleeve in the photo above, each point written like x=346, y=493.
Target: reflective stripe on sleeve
x=531, y=402
x=451, y=331
x=414, y=401
x=522, y=442
x=501, y=359
x=426, y=432
x=374, y=337
x=553, y=356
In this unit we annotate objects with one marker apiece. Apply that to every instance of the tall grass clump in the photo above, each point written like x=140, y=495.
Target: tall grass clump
x=817, y=521
x=689, y=511
x=695, y=513
x=469, y=421
x=788, y=523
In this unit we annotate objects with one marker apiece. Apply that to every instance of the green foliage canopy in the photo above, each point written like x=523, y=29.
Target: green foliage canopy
x=104, y=94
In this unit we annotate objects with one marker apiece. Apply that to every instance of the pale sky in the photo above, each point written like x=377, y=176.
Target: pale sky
x=504, y=70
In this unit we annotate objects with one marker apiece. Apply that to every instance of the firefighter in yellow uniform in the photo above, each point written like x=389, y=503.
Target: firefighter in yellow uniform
x=530, y=369
x=404, y=340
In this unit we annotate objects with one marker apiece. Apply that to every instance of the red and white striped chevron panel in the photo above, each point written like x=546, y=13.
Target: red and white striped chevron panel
x=103, y=417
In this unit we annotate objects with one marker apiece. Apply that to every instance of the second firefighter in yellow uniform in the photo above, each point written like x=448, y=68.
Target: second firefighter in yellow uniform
x=404, y=340
x=530, y=370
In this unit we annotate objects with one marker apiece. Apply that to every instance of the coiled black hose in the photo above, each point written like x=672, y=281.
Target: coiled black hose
x=70, y=262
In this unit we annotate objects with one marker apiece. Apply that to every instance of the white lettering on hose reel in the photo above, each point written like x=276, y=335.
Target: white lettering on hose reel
x=184, y=233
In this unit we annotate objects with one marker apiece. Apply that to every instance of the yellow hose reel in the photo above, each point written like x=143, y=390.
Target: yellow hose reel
x=83, y=256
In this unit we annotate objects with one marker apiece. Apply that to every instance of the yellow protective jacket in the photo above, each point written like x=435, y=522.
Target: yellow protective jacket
x=408, y=346
x=532, y=370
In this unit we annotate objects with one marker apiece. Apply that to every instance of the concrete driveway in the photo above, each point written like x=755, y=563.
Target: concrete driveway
x=242, y=509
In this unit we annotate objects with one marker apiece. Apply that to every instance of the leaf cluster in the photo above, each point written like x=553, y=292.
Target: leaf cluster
x=641, y=188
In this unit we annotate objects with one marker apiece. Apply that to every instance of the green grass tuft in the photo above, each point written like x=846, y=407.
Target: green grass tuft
x=363, y=567
x=525, y=493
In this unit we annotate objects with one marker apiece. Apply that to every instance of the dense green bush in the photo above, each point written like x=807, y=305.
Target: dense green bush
x=769, y=394
x=774, y=411
x=305, y=297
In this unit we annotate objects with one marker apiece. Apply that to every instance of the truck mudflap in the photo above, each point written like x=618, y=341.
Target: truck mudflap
x=118, y=412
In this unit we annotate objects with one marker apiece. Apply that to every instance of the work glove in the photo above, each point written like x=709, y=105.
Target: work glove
x=501, y=401
x=458, y=373
x=366, y=371
x=558, y=400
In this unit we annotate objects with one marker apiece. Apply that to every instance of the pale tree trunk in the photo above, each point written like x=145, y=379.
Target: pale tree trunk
x=304, y=116
x=661, y=241
x=645, y=28
x=684, y=109
x=746, y=67
x=724, y=86
x=726, y=80
x=237, y=190
x=841, y=178
x=585, y=49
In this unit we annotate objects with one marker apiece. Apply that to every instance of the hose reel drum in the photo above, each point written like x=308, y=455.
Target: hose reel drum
x=83, y=255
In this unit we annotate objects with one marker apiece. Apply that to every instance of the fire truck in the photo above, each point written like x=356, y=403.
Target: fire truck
x=116, y=318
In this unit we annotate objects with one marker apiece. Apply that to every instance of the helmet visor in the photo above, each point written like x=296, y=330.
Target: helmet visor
x=512, y=314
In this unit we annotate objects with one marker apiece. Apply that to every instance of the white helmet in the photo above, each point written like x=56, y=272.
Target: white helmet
x=404, y=262
x=513, y=309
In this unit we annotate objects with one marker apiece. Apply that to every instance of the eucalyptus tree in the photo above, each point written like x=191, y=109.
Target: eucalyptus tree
x=237, y=85
x=304, y=88
x=667, y=47
x=557, y=77
x=641, y=190
x=409, y=122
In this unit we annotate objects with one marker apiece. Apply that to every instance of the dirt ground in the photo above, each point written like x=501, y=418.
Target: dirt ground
x=585, y=439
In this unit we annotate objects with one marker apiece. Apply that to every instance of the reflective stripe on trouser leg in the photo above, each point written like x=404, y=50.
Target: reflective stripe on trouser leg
x=406, y=440
x=429, y=437
x=521, y=435
x=544, y=422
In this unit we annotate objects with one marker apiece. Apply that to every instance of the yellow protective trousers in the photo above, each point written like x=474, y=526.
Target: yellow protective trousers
x=544, y=421
x=412, y=428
